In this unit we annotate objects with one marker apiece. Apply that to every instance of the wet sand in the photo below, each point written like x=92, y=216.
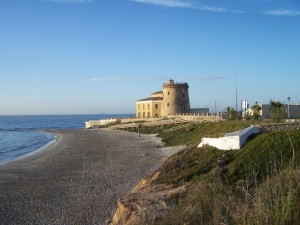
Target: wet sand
x=76, y=180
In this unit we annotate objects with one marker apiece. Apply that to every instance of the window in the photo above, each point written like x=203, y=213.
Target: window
x=168, y=93
x=168, y=104
x=138, y=106
x=183, y=95
x=148, y=106
x=148, y=114
x=143, y=106
x=156, y=106
x=139, y=115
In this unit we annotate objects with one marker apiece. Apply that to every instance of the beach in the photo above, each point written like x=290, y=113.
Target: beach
x=77, y=179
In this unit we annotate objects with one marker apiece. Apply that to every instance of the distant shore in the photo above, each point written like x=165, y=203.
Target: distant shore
x=76, y=180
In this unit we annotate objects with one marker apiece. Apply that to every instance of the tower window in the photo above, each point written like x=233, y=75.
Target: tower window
x=168, y=104
x=183, y=95
x=156, y=106
x=168, y=93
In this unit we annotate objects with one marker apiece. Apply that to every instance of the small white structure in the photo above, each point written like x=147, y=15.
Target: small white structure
x=92, y=123
x=231, y=141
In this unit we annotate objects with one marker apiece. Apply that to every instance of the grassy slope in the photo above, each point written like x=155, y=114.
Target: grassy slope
x=263, y=153
x=191, y=163
x=194, y=136
x=266, y=154
x=265, y=157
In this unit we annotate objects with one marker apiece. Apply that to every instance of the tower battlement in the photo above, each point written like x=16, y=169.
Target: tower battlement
x=172, y=84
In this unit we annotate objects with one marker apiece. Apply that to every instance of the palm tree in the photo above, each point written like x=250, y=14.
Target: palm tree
x=231, y=113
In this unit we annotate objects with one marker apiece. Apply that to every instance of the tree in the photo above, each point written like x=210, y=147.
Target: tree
x=232, y=114
x=256, y=109
x=277, y=111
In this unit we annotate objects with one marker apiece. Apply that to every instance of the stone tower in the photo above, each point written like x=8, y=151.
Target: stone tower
x=175, y=98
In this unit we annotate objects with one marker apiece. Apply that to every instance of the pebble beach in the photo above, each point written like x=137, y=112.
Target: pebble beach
x=77, y=179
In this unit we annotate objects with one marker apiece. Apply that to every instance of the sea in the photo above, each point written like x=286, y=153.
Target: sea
x=23, y=135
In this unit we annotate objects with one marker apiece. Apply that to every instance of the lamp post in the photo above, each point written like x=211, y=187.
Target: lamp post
x=216, y=107
x=236, y=93
x=289, y=99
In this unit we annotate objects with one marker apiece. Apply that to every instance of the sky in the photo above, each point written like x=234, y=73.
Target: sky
x=100, y=56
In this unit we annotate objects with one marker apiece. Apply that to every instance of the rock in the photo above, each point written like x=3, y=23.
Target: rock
x=146, y=202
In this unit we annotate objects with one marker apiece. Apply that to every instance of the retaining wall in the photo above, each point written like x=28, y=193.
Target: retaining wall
x=92, y=123
x=231, y=141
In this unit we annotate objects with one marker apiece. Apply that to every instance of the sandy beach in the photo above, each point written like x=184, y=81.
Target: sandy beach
x=77, y=179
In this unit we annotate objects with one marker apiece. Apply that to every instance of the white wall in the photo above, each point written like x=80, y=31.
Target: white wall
x=91, y=123
x=231, y=141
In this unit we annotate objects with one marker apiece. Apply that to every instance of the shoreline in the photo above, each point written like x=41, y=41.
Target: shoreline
x=78, y=178
x=56, y=138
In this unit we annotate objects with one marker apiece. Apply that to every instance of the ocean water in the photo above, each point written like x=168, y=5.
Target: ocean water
x=22, y=135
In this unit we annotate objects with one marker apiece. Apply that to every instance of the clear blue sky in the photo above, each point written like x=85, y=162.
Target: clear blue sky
x=93, y=56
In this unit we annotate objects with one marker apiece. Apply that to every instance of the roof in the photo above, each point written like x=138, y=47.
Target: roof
x=151, y=99
x=157, y=92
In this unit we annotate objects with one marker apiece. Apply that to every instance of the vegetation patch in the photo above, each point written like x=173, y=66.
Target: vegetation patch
x=190, y=165
x=258, y=184
x=193, y=136
x=265, y=155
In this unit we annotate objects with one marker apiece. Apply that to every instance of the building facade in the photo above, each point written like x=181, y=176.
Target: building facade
x=174, y=98
x=292, y=111
x=150, y=107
